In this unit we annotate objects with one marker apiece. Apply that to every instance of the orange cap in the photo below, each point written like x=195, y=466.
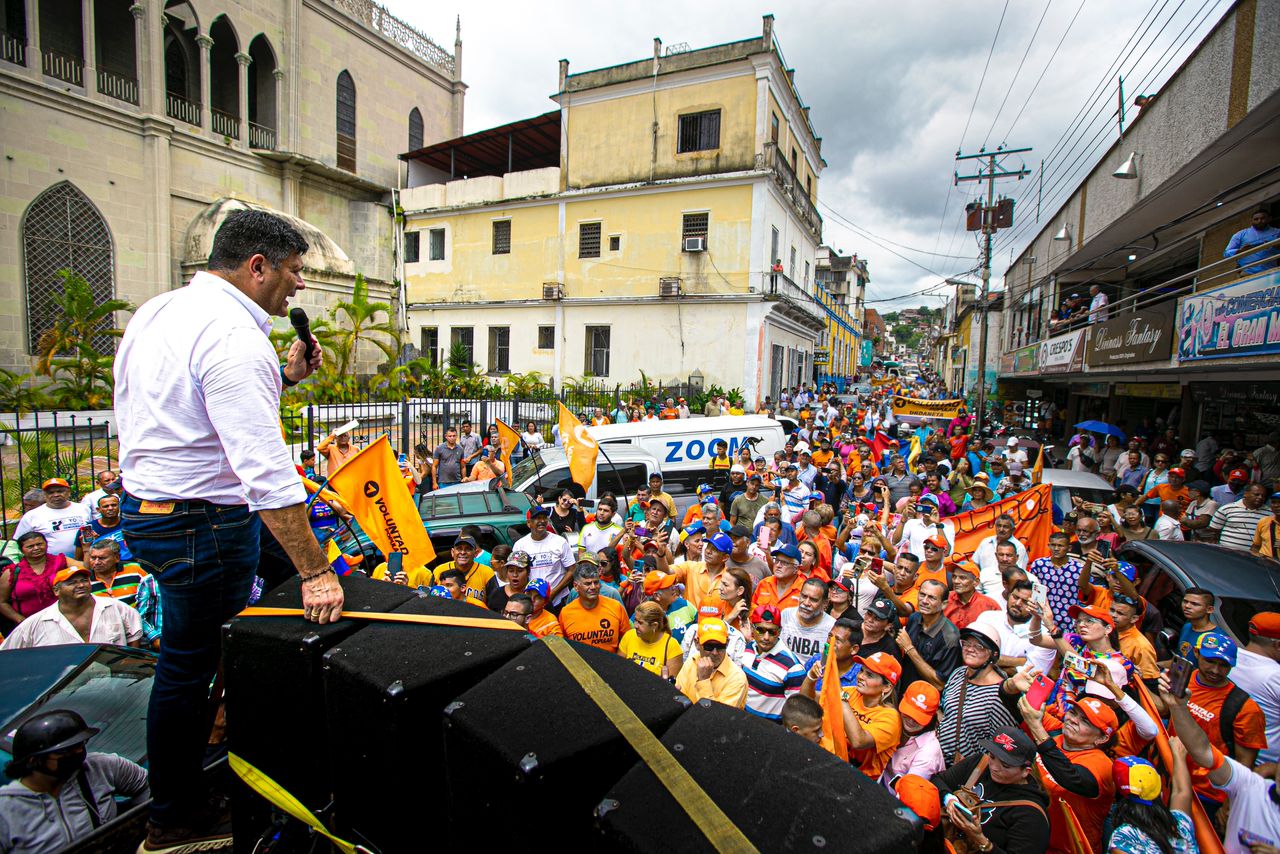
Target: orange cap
x=919, y=702
x=921, y=797
x=64, y=574
x=55, y=481
x=1265, y=624
x=966, y=566
x=1099, y=714
x=655, y=581
x=882, y=664
x=1091, y=611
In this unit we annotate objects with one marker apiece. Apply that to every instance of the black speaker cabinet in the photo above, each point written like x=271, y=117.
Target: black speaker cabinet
x=385, y=693
x=782, y=792
x=275, y=697
x=528, y=747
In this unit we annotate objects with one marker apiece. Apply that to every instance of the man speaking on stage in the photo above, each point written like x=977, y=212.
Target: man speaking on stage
x=203, y=462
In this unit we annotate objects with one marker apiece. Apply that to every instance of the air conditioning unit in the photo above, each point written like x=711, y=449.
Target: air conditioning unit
x=669, y=287
x=695, y=244
x=552, y=290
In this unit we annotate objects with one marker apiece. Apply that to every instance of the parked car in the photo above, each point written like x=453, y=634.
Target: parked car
x=1242, y=584
x=1082, y=484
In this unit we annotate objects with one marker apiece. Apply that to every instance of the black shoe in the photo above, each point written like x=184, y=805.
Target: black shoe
x=211, y=836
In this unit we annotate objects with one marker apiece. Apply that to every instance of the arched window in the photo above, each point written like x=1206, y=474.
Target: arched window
x=415, y=129
x=346, y=122
x=62, y=230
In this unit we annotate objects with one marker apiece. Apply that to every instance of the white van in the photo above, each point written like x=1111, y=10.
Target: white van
x=546, y=471
x=684, y=447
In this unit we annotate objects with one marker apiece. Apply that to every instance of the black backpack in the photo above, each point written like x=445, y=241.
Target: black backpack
x=1231, y=707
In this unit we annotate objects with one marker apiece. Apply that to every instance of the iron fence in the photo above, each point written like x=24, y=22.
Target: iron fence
x=35, y=446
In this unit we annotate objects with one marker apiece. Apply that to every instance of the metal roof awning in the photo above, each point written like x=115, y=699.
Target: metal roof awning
x=527, y=144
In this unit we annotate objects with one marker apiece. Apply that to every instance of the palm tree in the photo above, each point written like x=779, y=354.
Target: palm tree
x=354, y=321
x=81, y=321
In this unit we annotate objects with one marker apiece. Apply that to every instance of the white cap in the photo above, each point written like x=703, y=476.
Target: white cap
x=1012, y=442
x=740, y=469
x=801, y=447
x=1188, y=452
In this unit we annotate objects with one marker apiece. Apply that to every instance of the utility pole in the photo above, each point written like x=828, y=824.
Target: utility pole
x=989, y=226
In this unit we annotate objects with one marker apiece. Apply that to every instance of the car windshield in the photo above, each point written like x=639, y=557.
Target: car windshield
x=528, y=468
x=110, y=691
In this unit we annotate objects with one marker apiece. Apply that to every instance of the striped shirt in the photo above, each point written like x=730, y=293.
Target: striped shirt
x=984, y=712
x=1236, y=524
x=123, y=586
x=772, y=677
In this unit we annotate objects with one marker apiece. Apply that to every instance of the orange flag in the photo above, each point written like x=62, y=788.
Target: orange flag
x=1037, y=470
x=579, y=448
x=372, y=488
x=509, y=440
x=1075, y=833
x=832, y=703
x=1032, y=513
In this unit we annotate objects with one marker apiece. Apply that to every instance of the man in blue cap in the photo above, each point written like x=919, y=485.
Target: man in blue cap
x=782, y=588
x=1227, y=714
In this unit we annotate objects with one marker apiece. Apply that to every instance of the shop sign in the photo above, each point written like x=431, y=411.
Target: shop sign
x=1024, y=360
x=1063, y=354
x=1159, y=391
x=1141, y=336
x=1260, y=395
x=1240, y=319
x=1006, y=363
x=821, y=356
x=1092, y=389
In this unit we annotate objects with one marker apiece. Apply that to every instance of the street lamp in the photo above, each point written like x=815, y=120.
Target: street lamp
x=1064, y=233
x=1129, y=169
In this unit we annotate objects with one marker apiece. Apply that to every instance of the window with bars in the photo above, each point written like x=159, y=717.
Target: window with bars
x=589, y=240
x=499, y=349
x=699, y=131
x=597, y=356
x=62, y=230
x=412, y=245
x=435, y=244
x=415, y=129
x=431, y=345
x=615, y=242
x=546, y=337
x=502, y=237
x=346, y=122
x=464, y=337
x=694, y=225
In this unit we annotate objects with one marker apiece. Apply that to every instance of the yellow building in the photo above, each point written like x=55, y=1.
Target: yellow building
x=636, y=228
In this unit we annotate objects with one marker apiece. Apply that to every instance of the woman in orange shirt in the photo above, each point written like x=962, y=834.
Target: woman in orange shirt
x=876, y=728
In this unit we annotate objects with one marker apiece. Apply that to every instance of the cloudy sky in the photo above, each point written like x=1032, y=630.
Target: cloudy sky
x=895, y=89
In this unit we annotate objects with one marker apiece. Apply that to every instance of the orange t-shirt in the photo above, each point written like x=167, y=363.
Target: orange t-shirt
x=821, y=457
x=924, y=573
x=1165, y=492
x=1090, y=812
x=766, y=593
x=1250, y=728
x=884, y=725
x=545, y=624
x=694, y=512
x=602, y=627
x=822, y=543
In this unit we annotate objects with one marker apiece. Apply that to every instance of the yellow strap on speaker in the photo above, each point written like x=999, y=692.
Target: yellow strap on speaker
x=468, y=622
x=278, y=797
x=722, y=833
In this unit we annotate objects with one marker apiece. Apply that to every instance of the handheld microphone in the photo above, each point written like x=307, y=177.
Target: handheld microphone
x=302, y=326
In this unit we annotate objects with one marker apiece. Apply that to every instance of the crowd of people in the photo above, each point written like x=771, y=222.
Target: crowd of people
x=987, y=690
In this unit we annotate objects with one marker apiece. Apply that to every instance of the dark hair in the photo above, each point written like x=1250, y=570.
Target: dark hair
x=1153, y=819
x=472, y=531
x=853, y=627
x=1060, y=535
x=521, y=599
x=246, y=233
x=742, y=578
x=501, y=551
x=817, y=581
x=30, y=535
x=911, y=557
x=456, y=574
x=799, y=710
x=1022, y=585
x=307, y=455
x=1198, y=591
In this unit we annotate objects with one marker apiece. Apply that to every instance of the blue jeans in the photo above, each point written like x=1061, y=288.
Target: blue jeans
x=203, y=556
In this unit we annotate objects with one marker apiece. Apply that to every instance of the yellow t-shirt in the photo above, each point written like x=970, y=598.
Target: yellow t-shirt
x=419, y=577
x=881, y=723
x=478, y=580
x=721, y=463
x=821, y=457
x=651, y=656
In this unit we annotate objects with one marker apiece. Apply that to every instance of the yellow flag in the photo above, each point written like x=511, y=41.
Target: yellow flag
x=579, y=448
x=1037, y=471
x=372, y=488
x=508, y=440
x=915, y=451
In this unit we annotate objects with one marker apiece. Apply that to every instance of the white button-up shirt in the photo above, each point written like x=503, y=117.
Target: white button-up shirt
x=198, y=401
x=113, y=622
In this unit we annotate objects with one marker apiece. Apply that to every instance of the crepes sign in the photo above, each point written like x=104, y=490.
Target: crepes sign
x=1063, y=354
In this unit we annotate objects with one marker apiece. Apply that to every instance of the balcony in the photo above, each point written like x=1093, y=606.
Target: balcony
x=773, y=160
x=178, y=107
x=224, y=124
x=794, y=300
x=117, y=86
x=262, y=137
x=13, y=48
x=62, y=66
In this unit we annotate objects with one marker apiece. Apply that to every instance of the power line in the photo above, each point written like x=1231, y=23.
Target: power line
x=858, y=229
x=1043, y=71
x=851, y=224
x=983, y=78
x=1016, y=72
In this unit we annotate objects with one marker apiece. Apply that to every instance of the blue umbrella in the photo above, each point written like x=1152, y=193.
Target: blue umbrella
x=1101, y=427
